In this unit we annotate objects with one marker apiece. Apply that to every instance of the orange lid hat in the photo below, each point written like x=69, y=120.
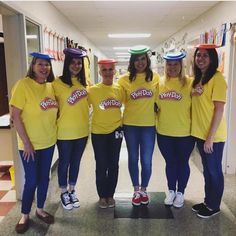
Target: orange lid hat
x=106, y=61
x=207, y=46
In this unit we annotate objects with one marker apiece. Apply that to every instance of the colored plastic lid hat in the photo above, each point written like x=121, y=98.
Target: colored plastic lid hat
x=74, y=52
x=139, y=49
x=174, y=56
x=41, y=55
x=106, y=61
x=207, y=46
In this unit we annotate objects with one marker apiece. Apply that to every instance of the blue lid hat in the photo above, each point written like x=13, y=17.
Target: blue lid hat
x=138, y=49
x=41, y=55
x=174, y=56
x=106, y=61
x=74, y=52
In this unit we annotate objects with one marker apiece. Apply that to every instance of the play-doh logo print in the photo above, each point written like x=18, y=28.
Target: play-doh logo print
x=141, y=93
x=110, y=103
x=76, y=96
x=170, y=95
x=48, y=103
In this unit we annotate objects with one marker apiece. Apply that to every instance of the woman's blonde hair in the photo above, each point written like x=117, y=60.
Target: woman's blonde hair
x=182, y=76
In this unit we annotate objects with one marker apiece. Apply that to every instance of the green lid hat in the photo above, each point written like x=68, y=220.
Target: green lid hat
x=139, y=49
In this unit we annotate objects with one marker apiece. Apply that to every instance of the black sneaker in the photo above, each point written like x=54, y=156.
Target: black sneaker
x=198, y=207
x=207, y=213
x=65, y=201
x=74, y=200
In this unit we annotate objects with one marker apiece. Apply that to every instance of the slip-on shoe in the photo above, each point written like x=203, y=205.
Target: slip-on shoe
x=22, y=228
x=48, y=219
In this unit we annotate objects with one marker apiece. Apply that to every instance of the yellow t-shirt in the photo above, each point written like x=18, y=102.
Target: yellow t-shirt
x=73, y=120
x=39, y=112
x=203, y=108
x=139, y=99
x=106, y=102
x=174, y=104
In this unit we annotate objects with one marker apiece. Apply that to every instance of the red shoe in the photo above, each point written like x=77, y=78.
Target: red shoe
x=136, y=200
x=144, y=198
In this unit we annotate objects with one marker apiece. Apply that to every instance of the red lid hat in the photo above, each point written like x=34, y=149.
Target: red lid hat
x=106, y=61
x=207, y=46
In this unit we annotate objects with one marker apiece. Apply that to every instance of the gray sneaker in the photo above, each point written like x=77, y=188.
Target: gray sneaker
x=103, y=203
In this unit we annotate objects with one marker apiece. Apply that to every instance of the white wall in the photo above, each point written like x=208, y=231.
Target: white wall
x=223, y=12
x=46, y=14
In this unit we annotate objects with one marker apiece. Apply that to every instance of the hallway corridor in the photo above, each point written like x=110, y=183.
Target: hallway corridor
x=89, y=220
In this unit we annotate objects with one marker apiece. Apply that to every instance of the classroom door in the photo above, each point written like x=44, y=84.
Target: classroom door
x=4, y=109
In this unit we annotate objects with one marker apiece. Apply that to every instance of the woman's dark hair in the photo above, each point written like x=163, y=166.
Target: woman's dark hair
x=211, y=70
x=66, y=75
x=132, y=70
x=31, y=74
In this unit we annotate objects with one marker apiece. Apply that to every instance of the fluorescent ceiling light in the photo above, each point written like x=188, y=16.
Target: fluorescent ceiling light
x=124, y=56
x=121, y=48
x=32, y=36
x=123, y=60
x=139, y=35
x=122, y=53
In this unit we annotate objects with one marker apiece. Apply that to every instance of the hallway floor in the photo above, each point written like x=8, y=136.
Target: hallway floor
x=89, y=220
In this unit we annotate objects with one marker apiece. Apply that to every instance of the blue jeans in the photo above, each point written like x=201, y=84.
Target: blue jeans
x=213, y=174
x=140, y=140
x=107, y=153
x=36, y=176
x=70, y=154
x=176, y=152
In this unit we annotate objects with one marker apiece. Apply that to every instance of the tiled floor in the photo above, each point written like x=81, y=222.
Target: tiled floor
x=7, y=191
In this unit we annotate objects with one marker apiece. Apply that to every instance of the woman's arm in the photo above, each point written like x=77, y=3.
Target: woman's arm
x=215, y=122
x=28, y=147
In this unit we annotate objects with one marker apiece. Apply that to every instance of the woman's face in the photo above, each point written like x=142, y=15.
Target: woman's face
x=140, y=63
x=75, y=66
x=202, y=60
x=107, y=71
x=41, y=69
x=173, y=68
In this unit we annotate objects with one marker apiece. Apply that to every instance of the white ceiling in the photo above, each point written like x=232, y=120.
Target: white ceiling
x=95, y=19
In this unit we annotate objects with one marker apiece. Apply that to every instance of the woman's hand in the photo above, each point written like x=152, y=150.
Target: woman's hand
x=208, y=146
x=28, y=151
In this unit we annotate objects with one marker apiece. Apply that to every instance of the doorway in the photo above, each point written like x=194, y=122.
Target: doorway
x=4, y=109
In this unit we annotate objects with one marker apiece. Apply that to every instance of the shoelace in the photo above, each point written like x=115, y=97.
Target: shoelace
x=74, y=197
x=143, y=194
x=136, y=195
x=66, y=198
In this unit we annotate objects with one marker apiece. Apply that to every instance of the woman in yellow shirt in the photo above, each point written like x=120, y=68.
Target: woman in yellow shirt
x=73, y=123
x=106, y=100
x=209, y=126
x=139, y=86
x=173, y=126
x=34, y=113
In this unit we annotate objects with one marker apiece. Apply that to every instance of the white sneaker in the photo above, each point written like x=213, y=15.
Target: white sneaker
x=179, y=200
x=170, y=198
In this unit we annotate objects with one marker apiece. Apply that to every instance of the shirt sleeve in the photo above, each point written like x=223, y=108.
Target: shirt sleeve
x=18, y=98
x=219, y=88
